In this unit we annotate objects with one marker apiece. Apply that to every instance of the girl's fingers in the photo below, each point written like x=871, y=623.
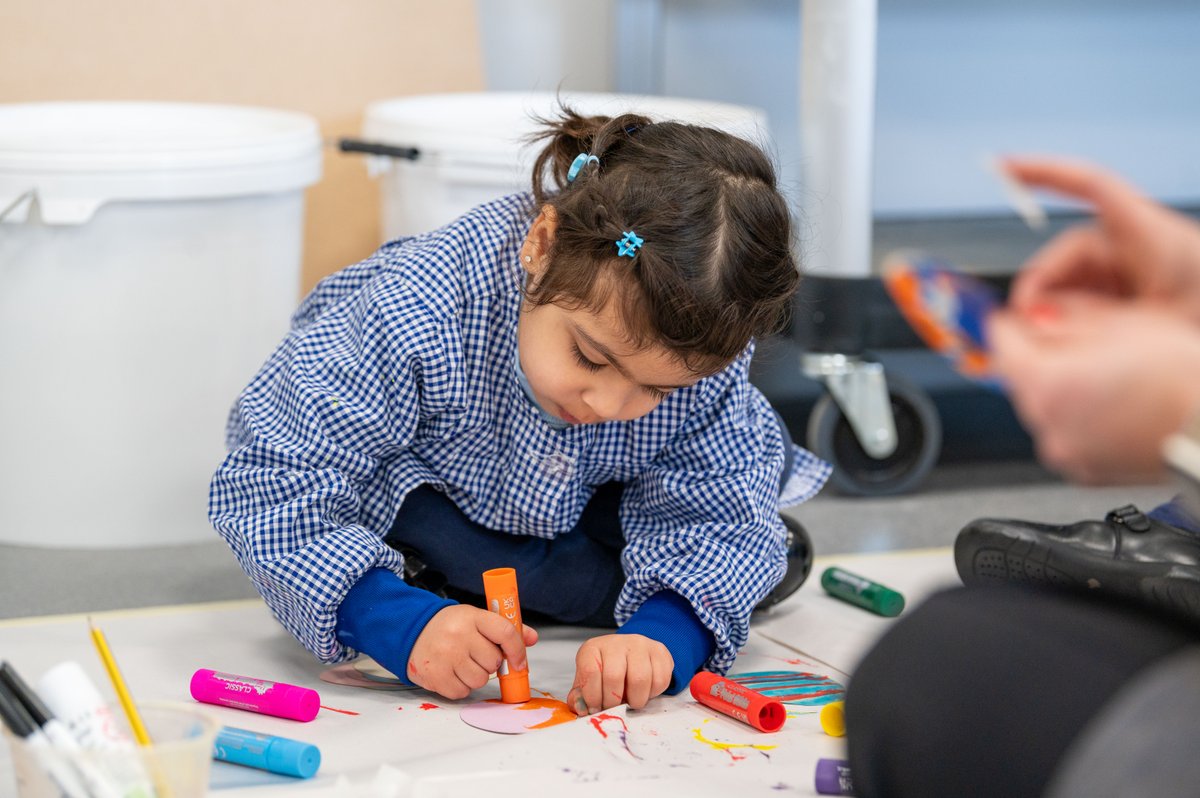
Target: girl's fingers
x=501, y=632
x=485, y=654
x=614, y=669
x=663, y=667
x=469, y=676
x=638, y=678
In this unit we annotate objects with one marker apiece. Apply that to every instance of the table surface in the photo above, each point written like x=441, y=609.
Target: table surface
x=413, y=743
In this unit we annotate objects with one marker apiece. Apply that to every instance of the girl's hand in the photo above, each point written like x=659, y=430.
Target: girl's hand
x=619, y=669
x=462, y=646
x=1137, y=249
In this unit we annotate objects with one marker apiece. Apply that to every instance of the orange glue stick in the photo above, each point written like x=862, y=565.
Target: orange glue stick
x=738, y=701
x=500, y=590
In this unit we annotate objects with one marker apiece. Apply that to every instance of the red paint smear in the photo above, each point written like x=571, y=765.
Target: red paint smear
x=596, y=720
x=428, y=706
x=343, y=711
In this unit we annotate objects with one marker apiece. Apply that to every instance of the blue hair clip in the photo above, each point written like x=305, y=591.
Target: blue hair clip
x=581, y=160
x=629, y=245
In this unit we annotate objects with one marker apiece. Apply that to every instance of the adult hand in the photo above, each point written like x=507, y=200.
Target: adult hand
x=619, y=669
x=1099, y=384
x=1136, y=249
x=462, y=646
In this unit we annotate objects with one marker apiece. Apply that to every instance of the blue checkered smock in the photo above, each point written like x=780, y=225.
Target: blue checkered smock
x=401, y=371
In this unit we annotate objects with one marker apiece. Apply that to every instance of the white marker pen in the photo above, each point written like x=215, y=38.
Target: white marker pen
x=22, y=725
x=73, y=697
x=98, y=784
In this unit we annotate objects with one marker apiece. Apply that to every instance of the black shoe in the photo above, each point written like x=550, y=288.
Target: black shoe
x=418, y=574
x=1127, y=554
x=799, y=564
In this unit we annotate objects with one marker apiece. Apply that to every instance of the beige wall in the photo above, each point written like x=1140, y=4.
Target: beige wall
x=328, y=59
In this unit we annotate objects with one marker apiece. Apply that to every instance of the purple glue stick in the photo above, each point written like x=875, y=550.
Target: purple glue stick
x=833, y=777
x=255, y=695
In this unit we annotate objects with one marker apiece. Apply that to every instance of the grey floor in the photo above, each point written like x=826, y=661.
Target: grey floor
x=35, y=581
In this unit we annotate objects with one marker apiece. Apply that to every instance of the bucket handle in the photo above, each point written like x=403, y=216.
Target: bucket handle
x=378, y=148
x=30, y=195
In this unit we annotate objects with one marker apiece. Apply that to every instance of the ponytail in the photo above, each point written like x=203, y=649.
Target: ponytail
x=570, y=134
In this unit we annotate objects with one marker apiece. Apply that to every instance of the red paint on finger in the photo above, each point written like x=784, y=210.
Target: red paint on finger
x=1044, y=313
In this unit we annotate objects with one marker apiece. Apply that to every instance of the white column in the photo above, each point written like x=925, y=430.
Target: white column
x=837, y=115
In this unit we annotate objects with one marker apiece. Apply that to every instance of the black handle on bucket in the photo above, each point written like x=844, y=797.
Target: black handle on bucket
x=378, y=148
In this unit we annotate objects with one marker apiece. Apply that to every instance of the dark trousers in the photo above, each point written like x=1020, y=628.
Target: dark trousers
x=982, y=692
x=574, y=578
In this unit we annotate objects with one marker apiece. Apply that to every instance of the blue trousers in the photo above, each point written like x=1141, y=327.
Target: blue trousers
x=574, y=578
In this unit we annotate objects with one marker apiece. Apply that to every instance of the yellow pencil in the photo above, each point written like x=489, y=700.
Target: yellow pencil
x=110, y=665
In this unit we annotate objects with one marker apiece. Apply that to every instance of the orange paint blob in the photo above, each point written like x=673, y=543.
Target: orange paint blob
x=427, y=706
x=560, y=712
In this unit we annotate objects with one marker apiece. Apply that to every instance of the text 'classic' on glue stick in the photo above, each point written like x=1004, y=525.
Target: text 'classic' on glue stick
x=500, y=590
x=255, y=695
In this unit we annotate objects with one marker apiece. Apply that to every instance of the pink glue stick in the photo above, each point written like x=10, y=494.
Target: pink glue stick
x=255, y=695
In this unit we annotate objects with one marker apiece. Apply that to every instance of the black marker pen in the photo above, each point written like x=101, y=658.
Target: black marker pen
x=98, y=784
x=22, y=725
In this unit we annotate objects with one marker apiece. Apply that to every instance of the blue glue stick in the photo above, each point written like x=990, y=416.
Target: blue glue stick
x=267, y=752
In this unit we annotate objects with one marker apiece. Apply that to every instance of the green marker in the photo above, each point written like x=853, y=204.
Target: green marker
x=862, y=592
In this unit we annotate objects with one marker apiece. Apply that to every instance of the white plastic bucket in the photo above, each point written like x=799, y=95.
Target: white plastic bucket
x=149, y=261
x=472, y=147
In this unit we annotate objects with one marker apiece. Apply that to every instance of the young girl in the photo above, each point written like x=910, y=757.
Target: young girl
x=556, y=382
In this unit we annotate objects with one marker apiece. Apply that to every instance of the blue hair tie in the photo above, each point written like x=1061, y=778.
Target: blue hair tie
x=629, y=245
x=581, y=160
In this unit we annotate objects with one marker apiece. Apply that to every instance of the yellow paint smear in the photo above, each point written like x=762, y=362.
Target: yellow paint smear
x=720, y=746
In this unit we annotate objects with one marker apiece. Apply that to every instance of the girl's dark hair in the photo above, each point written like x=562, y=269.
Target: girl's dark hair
x=716, y=268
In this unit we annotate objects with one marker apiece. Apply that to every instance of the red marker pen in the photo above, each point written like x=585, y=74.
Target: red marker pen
x=500, y=590
x=737, y=701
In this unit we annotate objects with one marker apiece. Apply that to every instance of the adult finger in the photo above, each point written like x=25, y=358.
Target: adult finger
x=1113, y=198
x=1012, y=344
x=1080, y=257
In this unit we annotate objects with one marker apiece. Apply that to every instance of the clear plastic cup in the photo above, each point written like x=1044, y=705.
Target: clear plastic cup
x=175, y=765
